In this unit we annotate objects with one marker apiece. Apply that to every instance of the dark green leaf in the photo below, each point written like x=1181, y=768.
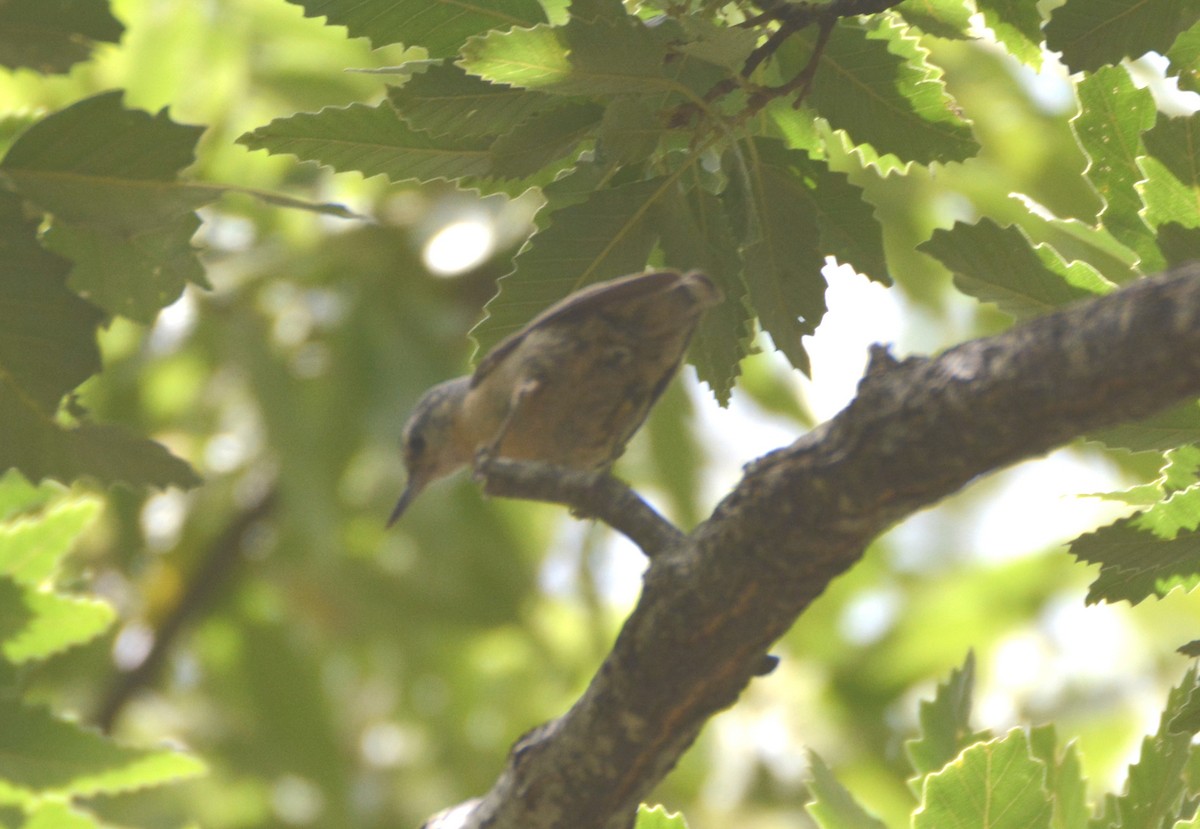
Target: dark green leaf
x=696, y=235
x=446, y=101
x=546, y=137
x=877, y=86
x=373, y=141
x=1092, y=33
x=999, y=265
x=51, y=37
x=608, y=235
x=108, y=177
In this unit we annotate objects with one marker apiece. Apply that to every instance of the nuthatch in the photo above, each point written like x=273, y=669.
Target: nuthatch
x=570, y=388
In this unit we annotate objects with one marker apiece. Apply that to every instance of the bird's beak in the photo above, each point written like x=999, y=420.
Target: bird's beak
x=410, y=492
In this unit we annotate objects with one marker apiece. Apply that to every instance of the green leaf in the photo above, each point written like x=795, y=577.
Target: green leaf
x=373, y=140
x=945, y=722
x=1149, y=553
x=1157, y=786
x=47, y=348
x=42, y=756
x=52, y=37
x=1092, y=33
x=55, y=814
x=630, y=131
x=596, y=57
x=1064, y=779
x=1184, y=56
x=781, y=250
x=446, y=101
x=657, y=817
x=544, y=138
x=696, y=235
x=877, y=85
x=832, y=806
x=608, y=235
x=1017, y=24
x=31, y=549
x=1112, y=117
x=941, y=18
x=108, y=177
x=440, y=26
x=47, y=334
x=999, y=265
x=1176, y=426
x=993, y=785
x=1172, y=179
x=36, y=624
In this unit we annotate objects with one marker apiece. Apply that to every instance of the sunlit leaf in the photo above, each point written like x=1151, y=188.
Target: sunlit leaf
x=993, y=785
x=945, y=722
x=37, y=623
x=447, y=101
x=832, y=806
x=441, y=26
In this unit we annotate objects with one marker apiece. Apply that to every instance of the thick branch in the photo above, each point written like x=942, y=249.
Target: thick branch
x=919, y=430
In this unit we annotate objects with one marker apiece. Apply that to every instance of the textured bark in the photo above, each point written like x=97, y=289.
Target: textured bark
x=918, y=430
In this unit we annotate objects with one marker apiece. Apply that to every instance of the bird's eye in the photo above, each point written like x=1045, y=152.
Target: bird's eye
x=415, y=446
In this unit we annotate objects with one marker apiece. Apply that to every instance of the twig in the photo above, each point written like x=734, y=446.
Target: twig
x=588, y=494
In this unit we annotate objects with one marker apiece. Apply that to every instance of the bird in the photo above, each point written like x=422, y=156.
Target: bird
x=570, y=388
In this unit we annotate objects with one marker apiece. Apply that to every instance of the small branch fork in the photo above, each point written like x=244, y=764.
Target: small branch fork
x=791, y=18
x=715, y=600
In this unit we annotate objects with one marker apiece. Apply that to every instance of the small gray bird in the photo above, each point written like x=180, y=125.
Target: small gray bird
x=570, y=388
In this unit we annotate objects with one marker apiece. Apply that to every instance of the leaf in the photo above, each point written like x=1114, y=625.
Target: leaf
x=657, y=817
x=877, y=86
x=597, y=57
x=1157, y=783
x=373, y=141
x=608, y=235
x=1017, y=24
x=993, y=785
x=446, y=101
x=546, y=137
x=440, y=26
x=1171, y=188
x=31, y=550
x=998, y=265
x=1093, y=33
x=108, y=177
x=47, y=334
x=832, y=806
x=36, y=623
x=1184, y=57
x=781, y=247
x=630, y=132
x=1064, y=779
x=1112, y=117
x=945, y=722
x=696, y=235
x=941, y=18
x=1176, y=426
x=55, y=814
x=47, y=348
x=42, y=756
x=1149, y=553
x=52, y=37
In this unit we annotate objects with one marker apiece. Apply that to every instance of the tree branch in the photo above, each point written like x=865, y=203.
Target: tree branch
x=917, y=431
x=588, y=494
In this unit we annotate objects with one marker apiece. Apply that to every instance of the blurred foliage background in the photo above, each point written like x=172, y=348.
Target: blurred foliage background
x=334, y=673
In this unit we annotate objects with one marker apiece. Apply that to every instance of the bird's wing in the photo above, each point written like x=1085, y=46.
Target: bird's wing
x=589, y=300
